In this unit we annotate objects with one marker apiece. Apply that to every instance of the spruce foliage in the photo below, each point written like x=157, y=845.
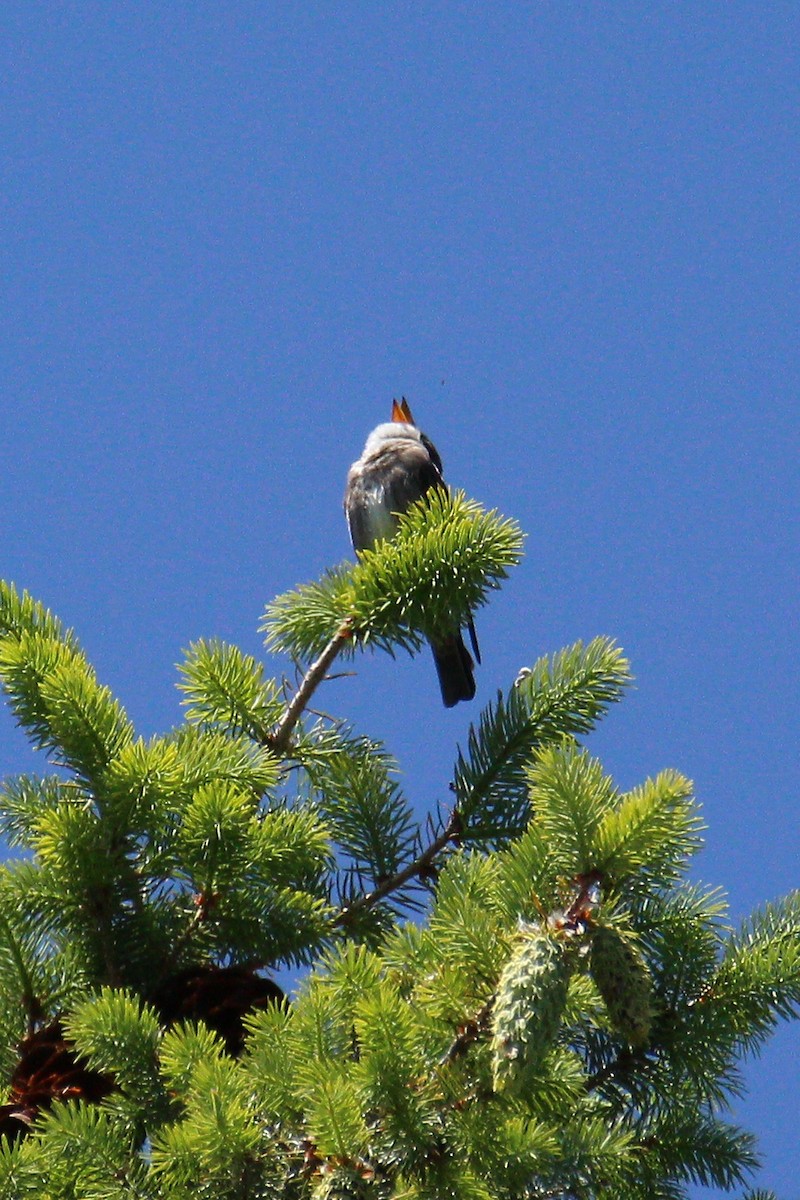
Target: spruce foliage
x=518, y=996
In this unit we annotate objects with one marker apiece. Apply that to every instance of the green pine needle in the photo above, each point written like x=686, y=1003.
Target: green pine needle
x=447, y=556
x=560, y=696
x=21, y=614
x=492, y=1048
x=227, y=688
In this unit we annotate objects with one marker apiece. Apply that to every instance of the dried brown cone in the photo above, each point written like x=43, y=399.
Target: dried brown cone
x=218, y=996
x=48, y=1069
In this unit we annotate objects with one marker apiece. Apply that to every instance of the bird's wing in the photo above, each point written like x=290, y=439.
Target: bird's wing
x=386, y=484
x=411, y=474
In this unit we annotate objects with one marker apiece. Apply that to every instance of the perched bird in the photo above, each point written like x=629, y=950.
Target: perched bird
x=397, y=466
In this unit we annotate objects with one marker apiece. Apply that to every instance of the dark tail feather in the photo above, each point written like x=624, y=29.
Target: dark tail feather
x=454, y=668
x=473, y=637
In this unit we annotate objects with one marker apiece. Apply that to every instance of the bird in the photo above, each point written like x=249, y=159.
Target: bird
x=398, y=465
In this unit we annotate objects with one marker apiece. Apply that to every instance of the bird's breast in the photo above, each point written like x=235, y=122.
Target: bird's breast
x=375, y=519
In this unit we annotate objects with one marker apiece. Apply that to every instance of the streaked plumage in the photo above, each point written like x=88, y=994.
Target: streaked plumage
x=397, y=466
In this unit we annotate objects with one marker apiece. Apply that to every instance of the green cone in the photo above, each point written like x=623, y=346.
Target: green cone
x=530, y=1000
x=622, y=978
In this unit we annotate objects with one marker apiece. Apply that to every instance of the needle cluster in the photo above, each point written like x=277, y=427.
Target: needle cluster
x=516, y=995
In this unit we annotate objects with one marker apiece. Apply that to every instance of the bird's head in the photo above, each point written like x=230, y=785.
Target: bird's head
x=400, y=428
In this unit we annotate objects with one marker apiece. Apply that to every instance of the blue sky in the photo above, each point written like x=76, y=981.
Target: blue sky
x=568, y=233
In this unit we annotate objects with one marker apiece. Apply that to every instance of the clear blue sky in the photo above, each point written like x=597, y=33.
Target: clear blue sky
x=568, y=233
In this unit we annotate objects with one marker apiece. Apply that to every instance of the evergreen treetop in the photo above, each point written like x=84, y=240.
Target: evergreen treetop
x=519, y=995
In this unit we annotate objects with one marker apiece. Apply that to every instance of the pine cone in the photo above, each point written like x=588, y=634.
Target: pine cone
x=48, y=1070
x=218, y=996
x=622, y=979
x=531, y=995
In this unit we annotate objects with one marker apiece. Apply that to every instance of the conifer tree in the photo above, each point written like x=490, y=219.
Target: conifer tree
x=517, y=996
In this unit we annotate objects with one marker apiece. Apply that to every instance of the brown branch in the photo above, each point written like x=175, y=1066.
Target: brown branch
x=98, y=904
x=278, y=740
x=184, y=937
x=618, y=1070
x=419, y=867
x=468, y=1033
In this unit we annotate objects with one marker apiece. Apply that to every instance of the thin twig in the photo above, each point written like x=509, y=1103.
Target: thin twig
x=30, y=1000
x=470, y=1032
x=279, y=739
x=184, y=937
x=420, y=866
x=616, y=1070
x=99, y=906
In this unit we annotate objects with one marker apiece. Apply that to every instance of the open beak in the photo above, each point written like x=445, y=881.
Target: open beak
x=401, y=412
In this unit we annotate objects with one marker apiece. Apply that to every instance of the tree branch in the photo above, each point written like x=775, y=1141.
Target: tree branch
x=278, y=740
x=419, y=867
x=618, y=1070
x=468, y=1033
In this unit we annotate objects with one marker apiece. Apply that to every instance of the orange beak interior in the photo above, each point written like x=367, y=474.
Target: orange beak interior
x=401, y=412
